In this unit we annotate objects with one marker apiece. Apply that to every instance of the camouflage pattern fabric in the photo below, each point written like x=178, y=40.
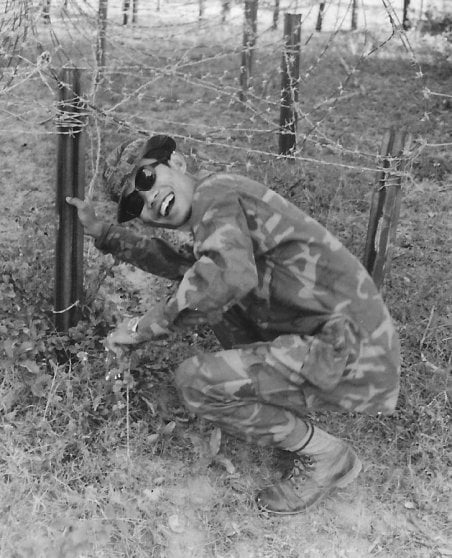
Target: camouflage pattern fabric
x=150, y=254
x=122, y=163
x=263, y=272
x=261, y=392
x=248, y=392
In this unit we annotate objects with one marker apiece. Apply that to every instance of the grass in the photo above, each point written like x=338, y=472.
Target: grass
x=96, y=469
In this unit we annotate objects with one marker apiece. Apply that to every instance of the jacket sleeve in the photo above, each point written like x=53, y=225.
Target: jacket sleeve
x=152, y=254
x=225, y=270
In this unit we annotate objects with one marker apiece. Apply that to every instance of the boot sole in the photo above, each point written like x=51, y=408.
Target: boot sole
x=344, y=481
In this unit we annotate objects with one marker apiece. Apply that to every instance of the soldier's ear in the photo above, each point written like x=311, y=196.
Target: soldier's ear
x=178, y=162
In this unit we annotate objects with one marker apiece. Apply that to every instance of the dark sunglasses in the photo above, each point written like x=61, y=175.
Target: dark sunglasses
x=145, y=178
x=132, y=205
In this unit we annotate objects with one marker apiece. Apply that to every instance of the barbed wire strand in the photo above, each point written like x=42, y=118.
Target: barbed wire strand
x=65, y=39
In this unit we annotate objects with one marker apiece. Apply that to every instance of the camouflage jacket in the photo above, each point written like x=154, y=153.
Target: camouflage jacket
x=255, y=249
x=258, y=260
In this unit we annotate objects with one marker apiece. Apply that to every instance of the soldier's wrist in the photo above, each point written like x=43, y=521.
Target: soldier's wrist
x=95, y=229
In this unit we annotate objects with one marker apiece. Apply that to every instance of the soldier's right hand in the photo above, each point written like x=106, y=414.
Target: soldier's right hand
x=87, y=216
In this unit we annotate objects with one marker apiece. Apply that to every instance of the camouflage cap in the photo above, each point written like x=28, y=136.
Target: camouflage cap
x=121, y=165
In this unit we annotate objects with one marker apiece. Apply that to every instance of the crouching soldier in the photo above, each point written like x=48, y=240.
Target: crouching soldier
x=302, y=324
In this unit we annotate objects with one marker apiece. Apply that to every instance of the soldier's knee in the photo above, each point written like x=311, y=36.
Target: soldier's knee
x=186, y=372
x=191, y=382
x=206, y=382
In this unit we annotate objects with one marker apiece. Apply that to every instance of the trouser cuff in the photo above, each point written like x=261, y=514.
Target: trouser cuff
x=294, y=444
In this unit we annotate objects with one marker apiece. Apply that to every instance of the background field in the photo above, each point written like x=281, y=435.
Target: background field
x=90, y=468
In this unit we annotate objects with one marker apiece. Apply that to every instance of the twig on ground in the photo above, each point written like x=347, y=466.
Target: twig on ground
x=422, y=341
x=49, y=397
x=128, y=417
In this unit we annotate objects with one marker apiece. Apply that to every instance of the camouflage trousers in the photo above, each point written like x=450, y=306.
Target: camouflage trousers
x=263, y=391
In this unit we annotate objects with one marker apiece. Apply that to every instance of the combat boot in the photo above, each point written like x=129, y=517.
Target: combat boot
x=322, y=465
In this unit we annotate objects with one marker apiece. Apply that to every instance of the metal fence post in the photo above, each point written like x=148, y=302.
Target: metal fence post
x=68, y=290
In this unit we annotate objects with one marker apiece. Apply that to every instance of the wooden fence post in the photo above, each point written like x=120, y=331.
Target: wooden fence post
x=45, y=11
x=225, y=9
x=318, y=26
x=134, y=11
x=405, y=19
x=249, y=43
x=125, y=11
x=70, y=182
x=275, y=15
x=101, y=38
x=385, y=205
x=290, y=77
x=354, y=15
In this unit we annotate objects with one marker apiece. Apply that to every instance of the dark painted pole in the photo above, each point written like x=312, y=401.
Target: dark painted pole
x=70, y=182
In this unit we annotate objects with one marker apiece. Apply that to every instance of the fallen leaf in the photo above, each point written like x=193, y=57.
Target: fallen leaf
x=168, y=428
x=30, y=365
x=225, y=462
x=176, y=524
x=153, y=494
x=215, y=441
x=152, y=438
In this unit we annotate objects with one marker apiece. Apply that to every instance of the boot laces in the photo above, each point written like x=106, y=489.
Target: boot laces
x=302, y=468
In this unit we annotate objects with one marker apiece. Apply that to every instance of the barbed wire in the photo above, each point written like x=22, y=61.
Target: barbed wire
x=32, y=48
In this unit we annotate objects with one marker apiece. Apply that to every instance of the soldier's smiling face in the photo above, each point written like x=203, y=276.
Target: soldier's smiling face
x=168, y=202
